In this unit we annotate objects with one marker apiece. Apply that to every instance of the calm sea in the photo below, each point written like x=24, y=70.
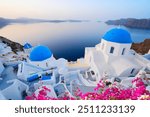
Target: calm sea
x=67, y=40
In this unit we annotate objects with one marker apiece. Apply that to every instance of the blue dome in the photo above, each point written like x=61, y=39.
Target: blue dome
x=118, y=35
x=27, y=46
x=40, y=53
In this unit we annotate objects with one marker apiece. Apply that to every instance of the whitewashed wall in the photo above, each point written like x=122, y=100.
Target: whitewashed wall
x=106, y=46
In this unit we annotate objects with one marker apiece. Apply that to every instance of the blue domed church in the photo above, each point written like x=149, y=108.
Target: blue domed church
x=27, y=48
x=113, y=56
x=116, y=42
x=41, y=56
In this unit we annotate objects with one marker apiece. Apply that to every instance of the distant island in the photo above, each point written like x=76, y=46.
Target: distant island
x=131, y=23
x=6, y=21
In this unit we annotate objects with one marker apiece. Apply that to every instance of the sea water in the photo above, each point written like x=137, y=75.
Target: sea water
x=66, y=40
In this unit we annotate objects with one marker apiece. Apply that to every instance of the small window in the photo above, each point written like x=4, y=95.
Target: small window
x=112, y=50
x=123, y=51
x=132, y=71
x=92, y=72
x=19, y=88
x=46, y=64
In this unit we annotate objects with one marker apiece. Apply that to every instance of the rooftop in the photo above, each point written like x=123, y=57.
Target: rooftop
x=118, y=35
x=40, y=53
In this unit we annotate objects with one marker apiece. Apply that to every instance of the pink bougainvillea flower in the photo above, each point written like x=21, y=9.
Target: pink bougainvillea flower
x=101, y=92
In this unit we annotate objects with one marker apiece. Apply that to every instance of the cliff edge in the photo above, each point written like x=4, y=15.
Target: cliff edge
x=142, y=47
x=14, y=45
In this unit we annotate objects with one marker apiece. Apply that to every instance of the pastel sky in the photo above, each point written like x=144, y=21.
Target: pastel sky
x=75, y=9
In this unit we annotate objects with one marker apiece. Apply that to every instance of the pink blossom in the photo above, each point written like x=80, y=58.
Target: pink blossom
x=102, y=92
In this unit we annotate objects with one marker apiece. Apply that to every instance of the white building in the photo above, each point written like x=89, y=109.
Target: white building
x=113, y=56
x=26, y=70
x=27, y=48
x=40, y=62
x=41, y=56
x=147, y=56
x=4, y=49
x=15, y=91
x=11, y=87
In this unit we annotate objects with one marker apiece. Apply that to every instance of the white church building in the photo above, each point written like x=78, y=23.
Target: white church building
x=27, y=48
x=41, y=56
x=113, y=56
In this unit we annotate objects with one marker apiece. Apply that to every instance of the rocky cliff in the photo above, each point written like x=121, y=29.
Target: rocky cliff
x=14, y=45
x=131, y=23
x=142, y=47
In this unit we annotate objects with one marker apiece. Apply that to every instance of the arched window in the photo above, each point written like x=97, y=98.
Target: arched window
x=46, y=64
x=132, y=71
x=112, y=50
x=123, y=51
